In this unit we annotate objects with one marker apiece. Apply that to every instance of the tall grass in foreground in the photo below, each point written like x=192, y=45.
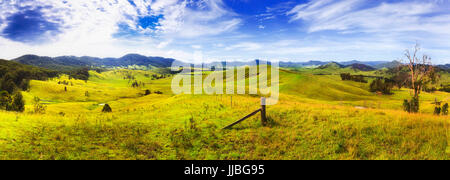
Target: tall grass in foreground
x=188, y=127
x=308, y=123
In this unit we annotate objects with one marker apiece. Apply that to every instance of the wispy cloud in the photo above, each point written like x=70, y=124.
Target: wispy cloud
x=357, y=16
x=245, y=46
x=398, y=23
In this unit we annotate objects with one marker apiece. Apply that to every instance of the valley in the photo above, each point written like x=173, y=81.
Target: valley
x=318, y=116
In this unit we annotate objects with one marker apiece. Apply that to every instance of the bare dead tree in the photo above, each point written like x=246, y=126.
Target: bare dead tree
x=421, y=70
x=421, y=73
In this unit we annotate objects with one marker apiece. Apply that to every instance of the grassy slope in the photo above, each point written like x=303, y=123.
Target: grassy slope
x=315, y=119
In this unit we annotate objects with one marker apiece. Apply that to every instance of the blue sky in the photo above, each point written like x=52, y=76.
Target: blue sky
x=218, y=30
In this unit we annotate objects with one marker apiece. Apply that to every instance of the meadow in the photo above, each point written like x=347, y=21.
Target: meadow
x=317, y=117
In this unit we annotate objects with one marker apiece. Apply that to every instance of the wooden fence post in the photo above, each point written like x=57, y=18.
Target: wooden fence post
x=263, y=111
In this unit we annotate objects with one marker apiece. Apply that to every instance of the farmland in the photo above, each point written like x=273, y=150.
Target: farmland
x=318, y=116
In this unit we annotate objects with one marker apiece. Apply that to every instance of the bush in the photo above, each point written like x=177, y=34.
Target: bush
x=411, y=106
x=18, y=104
x=38, y=107
x=445, y=109
x=406, y=106
x=147, y=92
x=437, y=110
x=107, y=108
x=415, y=105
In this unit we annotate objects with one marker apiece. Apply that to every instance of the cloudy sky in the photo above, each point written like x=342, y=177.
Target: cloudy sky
x=295, y=30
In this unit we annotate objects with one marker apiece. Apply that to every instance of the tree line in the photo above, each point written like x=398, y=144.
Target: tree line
x=356, y=78
x=383, y=85
x=15, y=77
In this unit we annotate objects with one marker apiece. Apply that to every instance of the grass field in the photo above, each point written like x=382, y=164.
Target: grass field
x=317, y=117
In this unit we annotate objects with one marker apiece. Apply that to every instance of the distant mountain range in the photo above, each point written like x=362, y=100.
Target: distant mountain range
x=445, y=66
x=73, y=62
x=373, y=64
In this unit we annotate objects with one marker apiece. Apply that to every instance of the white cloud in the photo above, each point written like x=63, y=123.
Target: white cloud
x=196, y=46
x=164, y=44
x=245, y=46
x=91, y=27
x=352, y=16
x=211, y=18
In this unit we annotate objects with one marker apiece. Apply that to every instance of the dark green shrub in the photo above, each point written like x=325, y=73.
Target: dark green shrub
x=406, y=106
x=18, y=104
x=411, y=106
x=147, y=92
x=135, y=84
x=107, y=108
x=415, y=105
x=445, y=109
x=437, y=111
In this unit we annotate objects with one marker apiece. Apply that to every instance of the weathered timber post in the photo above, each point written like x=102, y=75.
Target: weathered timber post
x=263, y=111
x=231, y=103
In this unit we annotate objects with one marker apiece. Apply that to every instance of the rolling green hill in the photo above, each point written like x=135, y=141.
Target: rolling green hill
x=317, y=117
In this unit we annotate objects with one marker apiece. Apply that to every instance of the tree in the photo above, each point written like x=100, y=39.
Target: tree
x=38, y=107
x=82, y=74
x=378, y=85
x=18, y=104
x=25, y=84
x=421, y=72
x=8, y=85
x=400, y=76
x=5, y=100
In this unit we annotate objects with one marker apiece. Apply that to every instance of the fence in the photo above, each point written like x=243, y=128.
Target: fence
x=262, y=111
